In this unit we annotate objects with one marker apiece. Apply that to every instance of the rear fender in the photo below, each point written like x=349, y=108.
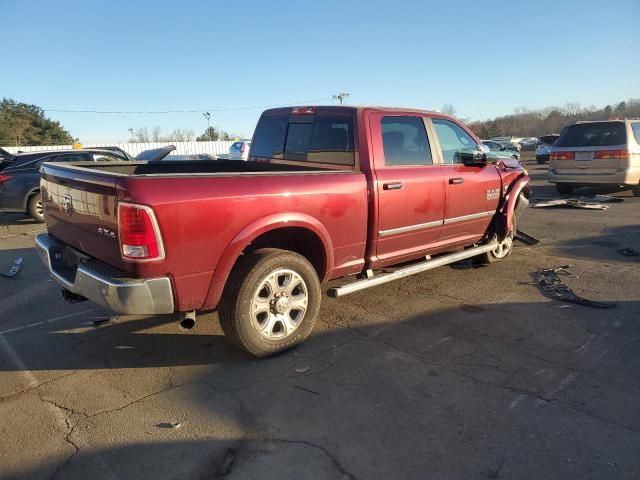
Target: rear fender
x=31, y=192
x=516, y=200
x=253, y=231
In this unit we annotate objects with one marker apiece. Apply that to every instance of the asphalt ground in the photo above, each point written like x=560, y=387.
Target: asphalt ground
x=457, y=373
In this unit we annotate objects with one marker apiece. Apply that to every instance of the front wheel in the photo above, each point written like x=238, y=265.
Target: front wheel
x=271, y=302
x=502, y=250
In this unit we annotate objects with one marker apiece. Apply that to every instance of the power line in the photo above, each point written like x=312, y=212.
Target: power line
x=162, y=112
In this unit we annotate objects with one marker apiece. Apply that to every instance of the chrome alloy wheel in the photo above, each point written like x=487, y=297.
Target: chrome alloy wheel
x=40, y=208
x=279, y=304
x=505, y=246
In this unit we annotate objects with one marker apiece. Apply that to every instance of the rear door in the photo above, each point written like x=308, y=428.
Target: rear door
x=472, y=192
x=409, y=186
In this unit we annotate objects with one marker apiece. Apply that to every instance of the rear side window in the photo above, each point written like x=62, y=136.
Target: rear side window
x=236, y=146
x=454, y=141
x=635, y=126
x=71, y=157
x=311, y=138
x=593, y=135
x=405, y=141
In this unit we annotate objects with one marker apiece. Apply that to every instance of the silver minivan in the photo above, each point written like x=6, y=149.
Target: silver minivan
x=604, y=153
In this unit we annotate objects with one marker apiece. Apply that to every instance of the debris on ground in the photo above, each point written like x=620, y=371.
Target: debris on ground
x=15, y=268
x=628, y=252
x=173, y=425
x=526, y=238
x=550, y=283
x=572, y=203
x=306, y=389
x=302, y=369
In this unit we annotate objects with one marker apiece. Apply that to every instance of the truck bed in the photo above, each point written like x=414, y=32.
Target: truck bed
x=202, y=167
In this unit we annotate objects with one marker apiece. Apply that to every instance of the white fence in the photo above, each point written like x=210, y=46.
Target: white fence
x=182, y=148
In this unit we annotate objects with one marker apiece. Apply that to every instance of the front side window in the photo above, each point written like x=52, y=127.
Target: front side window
x=405, y=141
x=455, y=143
x=310, y=138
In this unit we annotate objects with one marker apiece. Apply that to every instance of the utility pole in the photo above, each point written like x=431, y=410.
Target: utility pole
x=341, y=96
x=207, y=115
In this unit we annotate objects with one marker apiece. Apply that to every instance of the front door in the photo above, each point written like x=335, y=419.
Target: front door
x=472, y=192
x=410, y=187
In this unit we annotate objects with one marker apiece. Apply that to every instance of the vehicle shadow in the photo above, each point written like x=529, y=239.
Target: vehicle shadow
x=7, y=218
x=461, y=381
x=608, y=246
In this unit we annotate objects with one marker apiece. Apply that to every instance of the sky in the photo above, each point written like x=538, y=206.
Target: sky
x=484, y=57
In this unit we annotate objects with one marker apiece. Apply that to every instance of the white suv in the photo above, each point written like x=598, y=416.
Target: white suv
x=240, y=150
x=597, y=153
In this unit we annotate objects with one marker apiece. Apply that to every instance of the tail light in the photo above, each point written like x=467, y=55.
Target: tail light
x=612, y=155
x=563, y=156
x=140, y=238
x=4, y=178
x=242, y=148
x=303, y=110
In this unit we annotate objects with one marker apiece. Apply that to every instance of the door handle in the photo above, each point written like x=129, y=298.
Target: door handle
x=456, y=181
x=392, y=186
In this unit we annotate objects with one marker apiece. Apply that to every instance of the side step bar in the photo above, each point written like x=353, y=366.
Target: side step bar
x=411, y=270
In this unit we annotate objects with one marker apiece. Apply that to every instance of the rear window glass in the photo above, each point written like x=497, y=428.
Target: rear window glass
x=236, y=146
x=310, y=138
x=548, y=139
x=635, y=126
x=593, y=135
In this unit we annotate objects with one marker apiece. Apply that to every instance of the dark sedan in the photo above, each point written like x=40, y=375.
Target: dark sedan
x=20, y=177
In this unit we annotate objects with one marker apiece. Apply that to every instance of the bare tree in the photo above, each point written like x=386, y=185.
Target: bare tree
x=448, y=109
x=155, y=134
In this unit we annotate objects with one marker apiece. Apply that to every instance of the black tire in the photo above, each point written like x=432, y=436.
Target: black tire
x=34, y=207
x=636, y=191
x=249, y=274
x=564, y=188
x=503, y=251
x=541, y=161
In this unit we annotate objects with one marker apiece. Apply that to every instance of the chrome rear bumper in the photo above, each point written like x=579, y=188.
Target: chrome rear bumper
x=105, y=285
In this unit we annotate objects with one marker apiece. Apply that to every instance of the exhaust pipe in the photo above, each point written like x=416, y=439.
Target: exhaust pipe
x=188, y=320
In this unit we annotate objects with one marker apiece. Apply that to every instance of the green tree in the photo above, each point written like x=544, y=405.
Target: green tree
x=210, y=134
x=24, y=124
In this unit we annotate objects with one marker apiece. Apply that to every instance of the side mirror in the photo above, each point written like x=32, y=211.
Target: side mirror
x=476, y=158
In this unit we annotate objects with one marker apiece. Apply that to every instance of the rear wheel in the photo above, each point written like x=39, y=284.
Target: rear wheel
x=35, y=208
x=271, y=302
x=564, y=188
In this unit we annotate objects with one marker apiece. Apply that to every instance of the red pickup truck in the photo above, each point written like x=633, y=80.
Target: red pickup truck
x=328, y=192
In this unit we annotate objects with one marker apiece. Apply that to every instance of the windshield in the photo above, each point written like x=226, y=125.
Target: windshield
x=593, y=135
x=310, y=138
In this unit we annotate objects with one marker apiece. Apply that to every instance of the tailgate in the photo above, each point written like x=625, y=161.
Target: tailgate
x=81, y=210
